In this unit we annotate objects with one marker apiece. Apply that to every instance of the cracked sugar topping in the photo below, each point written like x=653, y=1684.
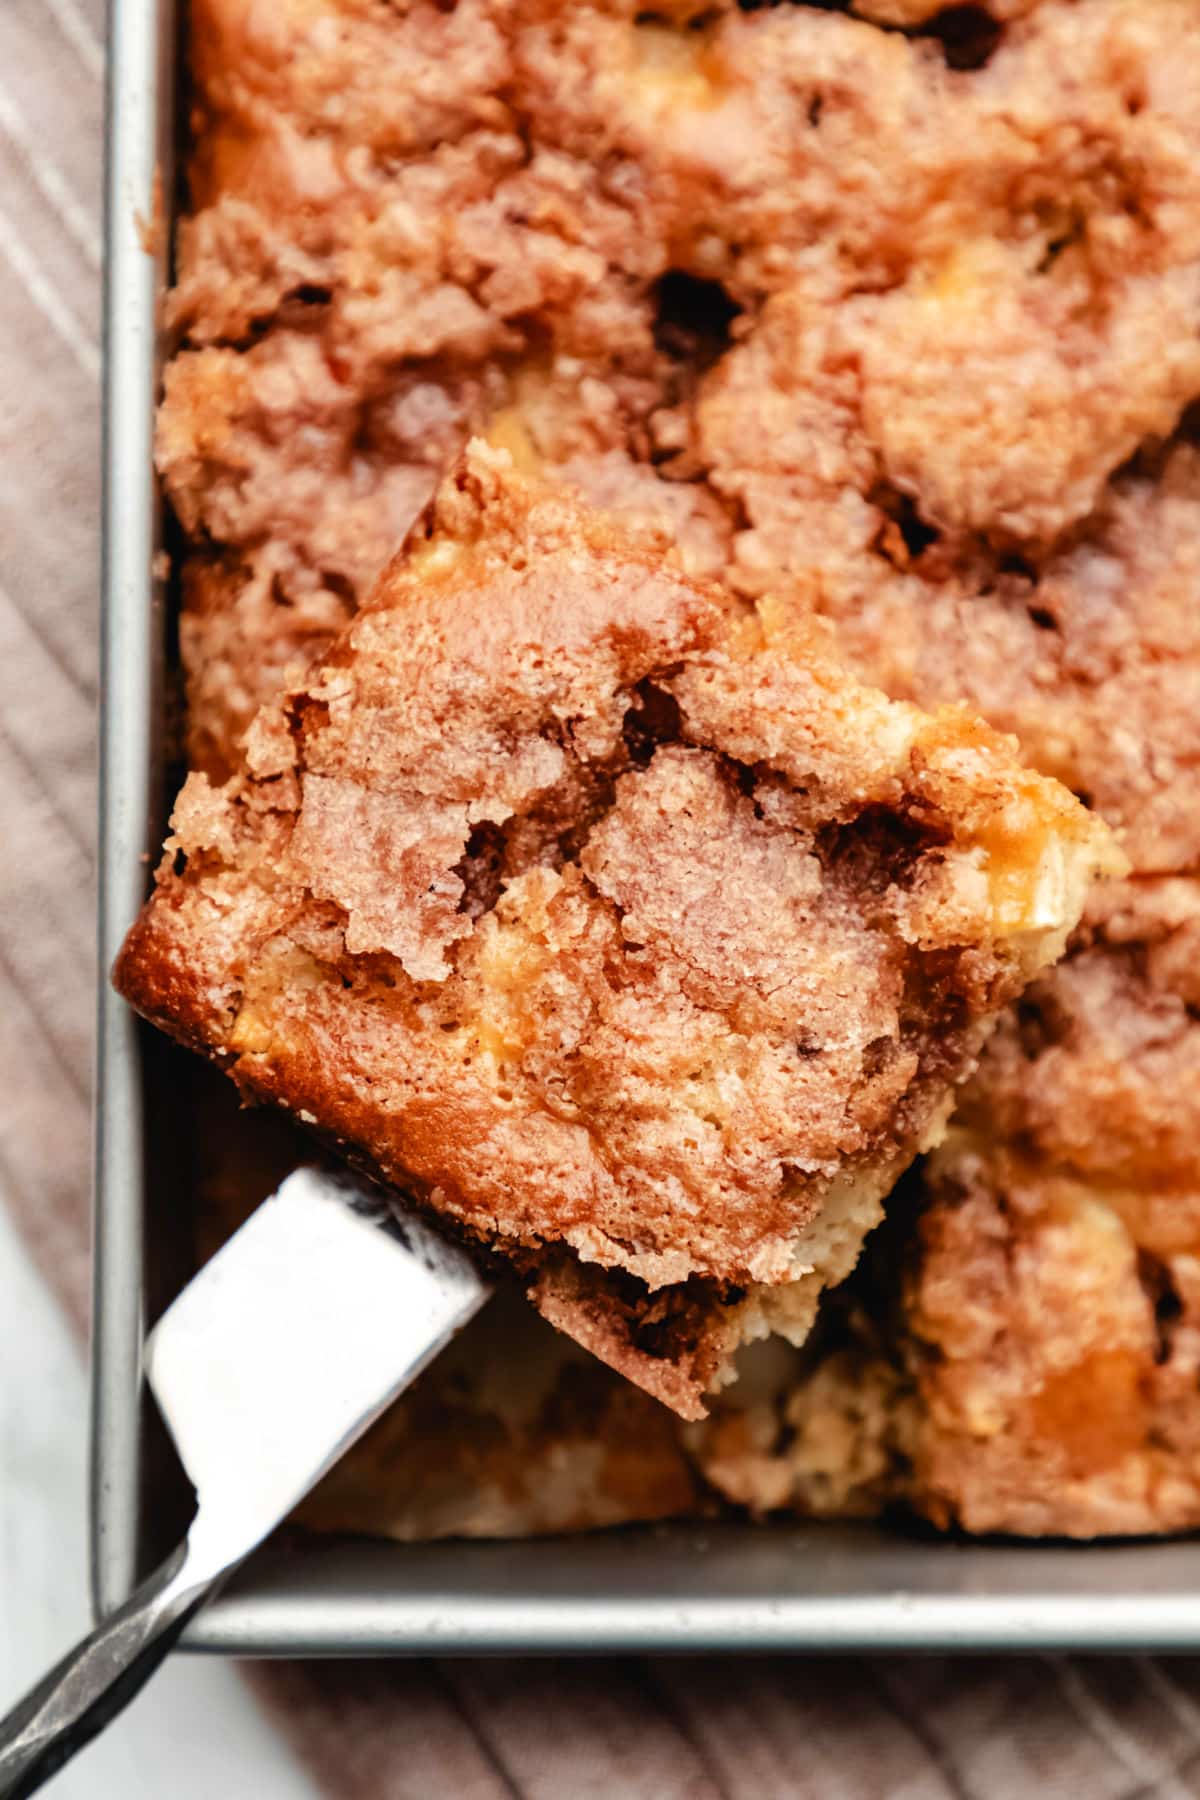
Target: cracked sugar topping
x=602, y=911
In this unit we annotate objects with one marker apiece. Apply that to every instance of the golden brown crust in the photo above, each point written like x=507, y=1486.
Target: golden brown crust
x=1086, y=652
x=242, y=633
x=982, y=284
x=302, y=478
x=1020, y=1355
x=966, y=267
x=1041, y=1379
x=1052, y=1305
x=602, y=922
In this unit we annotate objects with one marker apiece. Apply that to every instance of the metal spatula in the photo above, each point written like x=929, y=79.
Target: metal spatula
x=281, y=1352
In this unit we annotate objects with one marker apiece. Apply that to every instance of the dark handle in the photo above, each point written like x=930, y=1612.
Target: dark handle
x=94, y=1681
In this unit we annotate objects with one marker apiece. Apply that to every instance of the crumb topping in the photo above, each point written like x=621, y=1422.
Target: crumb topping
x=601, y=920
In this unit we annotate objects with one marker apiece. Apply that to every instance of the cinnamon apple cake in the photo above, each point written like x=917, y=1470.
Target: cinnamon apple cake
x=887, y=313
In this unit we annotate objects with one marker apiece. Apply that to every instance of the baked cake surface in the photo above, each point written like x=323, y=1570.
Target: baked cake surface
x=1053, y=1307
x=642, y=944
x=1015, y=1352
x=1025, y=1360
x=956, y=280
x=897, y=325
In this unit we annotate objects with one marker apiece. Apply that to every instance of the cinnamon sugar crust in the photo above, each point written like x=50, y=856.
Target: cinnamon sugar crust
x=1036, y=1375
x=609, y=923
x=1053, y=1301
x=956, y=289
x=1022, y=1354
x=941, y=310
x=1089, y=653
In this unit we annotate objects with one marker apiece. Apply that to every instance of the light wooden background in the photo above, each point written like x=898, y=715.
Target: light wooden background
x=853, y=1730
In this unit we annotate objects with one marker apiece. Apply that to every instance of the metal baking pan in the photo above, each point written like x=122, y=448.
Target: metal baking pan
x=793, y=1587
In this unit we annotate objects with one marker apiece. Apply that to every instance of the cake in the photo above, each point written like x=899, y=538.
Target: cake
x=886, y=313
x=1052, y=1308
x=1029, y=1364
x=622, y=930
x=963, y=265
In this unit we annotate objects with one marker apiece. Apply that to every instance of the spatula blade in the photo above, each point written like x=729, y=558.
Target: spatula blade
x=293, y=1338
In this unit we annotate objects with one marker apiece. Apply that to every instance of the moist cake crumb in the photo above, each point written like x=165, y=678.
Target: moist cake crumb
x=886, y=323
x=611, y=920
x=1020, y=1354
x=1052, y=1296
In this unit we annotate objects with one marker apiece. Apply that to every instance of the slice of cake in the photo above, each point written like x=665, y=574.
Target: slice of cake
x=634, y=939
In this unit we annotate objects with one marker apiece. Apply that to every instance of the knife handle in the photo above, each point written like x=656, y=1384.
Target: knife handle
x=99, y=1677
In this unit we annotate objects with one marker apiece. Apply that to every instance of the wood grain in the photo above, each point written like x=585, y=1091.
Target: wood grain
x=719, y=1729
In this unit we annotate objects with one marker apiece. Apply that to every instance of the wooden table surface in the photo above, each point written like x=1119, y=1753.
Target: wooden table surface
x=1124, y=1729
